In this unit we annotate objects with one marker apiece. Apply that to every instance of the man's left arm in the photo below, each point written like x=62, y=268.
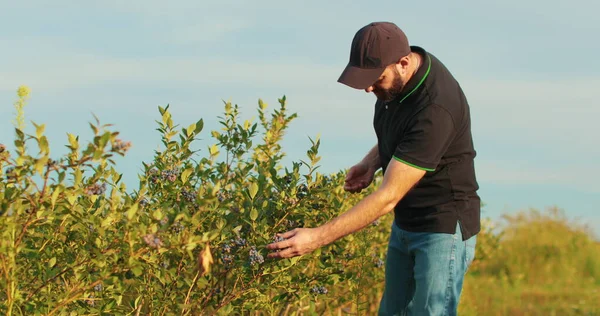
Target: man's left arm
x=399, y=178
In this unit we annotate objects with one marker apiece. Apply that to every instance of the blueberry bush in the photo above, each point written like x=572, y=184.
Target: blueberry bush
x=190, y=239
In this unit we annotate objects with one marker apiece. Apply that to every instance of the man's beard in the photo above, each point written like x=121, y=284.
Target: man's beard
x=393, y=92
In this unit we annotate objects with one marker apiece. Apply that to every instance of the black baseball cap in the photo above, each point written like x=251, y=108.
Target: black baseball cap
x=374, y=47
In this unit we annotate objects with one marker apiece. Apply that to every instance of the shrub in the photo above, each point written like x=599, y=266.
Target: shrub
x=190, y=239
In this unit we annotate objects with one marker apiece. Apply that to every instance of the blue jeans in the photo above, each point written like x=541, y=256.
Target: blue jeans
x=424, y=272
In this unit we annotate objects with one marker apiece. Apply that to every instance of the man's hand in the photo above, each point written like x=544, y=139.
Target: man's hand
x=296, y=242
x=359, y=177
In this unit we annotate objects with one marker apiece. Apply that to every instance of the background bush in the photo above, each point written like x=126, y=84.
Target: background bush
x=190, y=239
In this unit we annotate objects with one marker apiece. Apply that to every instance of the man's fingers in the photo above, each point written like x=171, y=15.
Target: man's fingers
x=287, y=253
x=288, y=234
x=353, y=188
x=284, y=243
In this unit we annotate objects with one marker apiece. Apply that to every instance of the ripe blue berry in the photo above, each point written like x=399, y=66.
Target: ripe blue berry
x=188, y=195
x=226, y=248
x=255, y=257
x=319, y=290
x=177, y=227
x=95, y=189
x=144, y=202
x=227, y=261
x=240, y=242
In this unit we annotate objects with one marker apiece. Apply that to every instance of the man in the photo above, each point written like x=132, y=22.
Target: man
x=425, y=150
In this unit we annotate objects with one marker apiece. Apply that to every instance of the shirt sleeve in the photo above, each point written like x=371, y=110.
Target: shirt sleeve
x=426, y=139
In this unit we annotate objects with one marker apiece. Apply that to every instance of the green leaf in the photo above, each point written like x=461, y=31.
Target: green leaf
x=44, y=148
x=262, y=104
x=137, y=271
x=131, y=211
x=157, y=215
x=185, y=174
x=39, y=129
x=40, y=164
x=52, y=262
x=73, y=141
x=55, y=195
x=199, y=126
x=213, y=150
x=253, y=190
x=94, y=128
x=165, y=117
x=190, y=130
x=71, y=197
x=253, y=214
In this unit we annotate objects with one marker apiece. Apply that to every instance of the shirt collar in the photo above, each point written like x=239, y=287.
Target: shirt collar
x=417, y=79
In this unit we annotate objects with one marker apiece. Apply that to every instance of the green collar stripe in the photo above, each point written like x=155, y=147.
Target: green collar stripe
x=420, y=82
x=412, y=165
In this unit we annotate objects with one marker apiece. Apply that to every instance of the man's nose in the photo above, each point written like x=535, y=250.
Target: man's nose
x=369, y=89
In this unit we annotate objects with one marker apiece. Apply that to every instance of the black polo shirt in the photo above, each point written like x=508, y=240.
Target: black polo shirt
x=428, y=127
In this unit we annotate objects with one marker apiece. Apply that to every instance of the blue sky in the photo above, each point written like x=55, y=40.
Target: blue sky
x=529, y=69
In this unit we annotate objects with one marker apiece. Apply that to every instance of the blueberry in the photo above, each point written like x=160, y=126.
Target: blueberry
x=240, y=242
x=95, y=189
x=319, y=290
x=255, y=257
x=227, y=261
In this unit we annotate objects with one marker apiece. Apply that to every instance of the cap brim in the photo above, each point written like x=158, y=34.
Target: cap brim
x=360, y=78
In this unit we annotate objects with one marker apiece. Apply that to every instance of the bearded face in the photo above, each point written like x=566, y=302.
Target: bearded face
x=389, y=86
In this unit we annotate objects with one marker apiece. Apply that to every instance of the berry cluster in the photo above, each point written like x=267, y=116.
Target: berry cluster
x=255, y=257
x=302, y=191
x=153, y=176
x=119, y=145
x=10, y=173
x=144, y=202
x=379, y=263
x=177, y=227
x=226, y=248
x=376, y=222
x=188, y=195
x=227, y=261
x=239, y=242
x=98, y=287
x=170, y=174
x=153, y=241
x=278, y=239
x=318, y=290
x=95, y=189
